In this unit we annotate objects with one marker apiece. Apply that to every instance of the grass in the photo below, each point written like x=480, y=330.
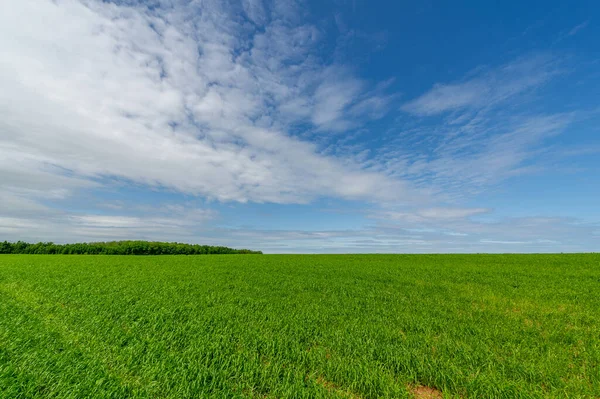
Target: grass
x=300, y=326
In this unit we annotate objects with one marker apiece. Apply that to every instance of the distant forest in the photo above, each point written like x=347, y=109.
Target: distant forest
x=118, y=248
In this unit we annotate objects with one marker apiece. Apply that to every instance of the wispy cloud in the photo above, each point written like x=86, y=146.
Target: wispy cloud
x=577, y=28
x=487, y=132
x=426, y=215
x=459, y=161
x=486, y=87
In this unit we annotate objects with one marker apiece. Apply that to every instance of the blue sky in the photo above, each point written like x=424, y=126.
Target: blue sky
x=292, y=126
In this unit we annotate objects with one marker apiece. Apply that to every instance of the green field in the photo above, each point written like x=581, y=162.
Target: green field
x=300, y=326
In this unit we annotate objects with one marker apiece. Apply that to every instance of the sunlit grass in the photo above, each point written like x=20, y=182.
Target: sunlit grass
x=282, y=326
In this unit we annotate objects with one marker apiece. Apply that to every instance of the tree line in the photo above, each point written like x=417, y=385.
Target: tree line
x=118, y=248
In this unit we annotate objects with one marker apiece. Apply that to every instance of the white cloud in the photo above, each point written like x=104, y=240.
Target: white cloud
x=255, y=10
x=165, y=223
x=505, y=242
x=186, y=97
x=451, y=213
x=332, y=97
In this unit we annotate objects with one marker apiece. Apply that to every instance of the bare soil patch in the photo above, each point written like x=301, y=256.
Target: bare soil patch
x=421, y=392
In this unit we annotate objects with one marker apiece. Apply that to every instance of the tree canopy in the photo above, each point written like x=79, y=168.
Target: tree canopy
x=118, y=248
